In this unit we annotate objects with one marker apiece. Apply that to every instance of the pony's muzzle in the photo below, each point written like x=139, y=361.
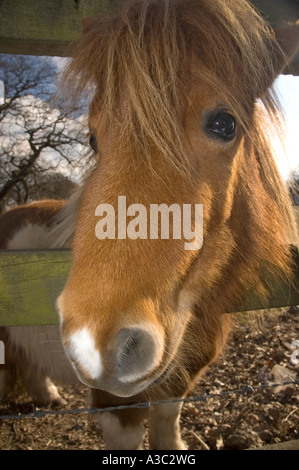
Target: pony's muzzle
x=123, y=365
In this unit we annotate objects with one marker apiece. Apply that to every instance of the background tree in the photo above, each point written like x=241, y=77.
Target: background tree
x=42, y=146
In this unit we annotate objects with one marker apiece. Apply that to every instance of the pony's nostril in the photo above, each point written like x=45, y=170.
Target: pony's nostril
x=138, y=351
x=130, y=343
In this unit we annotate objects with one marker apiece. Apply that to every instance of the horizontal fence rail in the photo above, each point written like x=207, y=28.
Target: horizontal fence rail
x=31, y=281
x=46, y=27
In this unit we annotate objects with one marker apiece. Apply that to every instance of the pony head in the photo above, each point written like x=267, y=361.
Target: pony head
x=185, y=206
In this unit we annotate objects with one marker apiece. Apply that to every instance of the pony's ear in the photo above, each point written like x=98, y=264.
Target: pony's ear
x=288, y=39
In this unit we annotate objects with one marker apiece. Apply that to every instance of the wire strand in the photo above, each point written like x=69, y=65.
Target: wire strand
x=40, y=413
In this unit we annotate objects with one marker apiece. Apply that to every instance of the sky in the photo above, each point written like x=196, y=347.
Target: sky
x=287, y=87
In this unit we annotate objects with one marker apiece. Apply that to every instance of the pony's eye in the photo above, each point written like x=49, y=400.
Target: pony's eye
x=223, y=127
x=93, y=142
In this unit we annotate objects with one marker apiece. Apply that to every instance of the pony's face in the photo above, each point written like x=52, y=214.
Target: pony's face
x=130, y=296
x=184, y=186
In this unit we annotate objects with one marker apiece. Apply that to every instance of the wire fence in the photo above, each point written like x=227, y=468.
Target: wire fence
x=246, y=389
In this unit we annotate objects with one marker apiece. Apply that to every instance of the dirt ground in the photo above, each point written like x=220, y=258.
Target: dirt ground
x=259, y=353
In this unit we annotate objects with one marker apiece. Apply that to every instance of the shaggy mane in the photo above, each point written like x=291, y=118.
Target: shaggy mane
x=152, y=50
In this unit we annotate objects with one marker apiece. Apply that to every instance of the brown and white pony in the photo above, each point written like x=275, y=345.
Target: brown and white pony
x=174, y=119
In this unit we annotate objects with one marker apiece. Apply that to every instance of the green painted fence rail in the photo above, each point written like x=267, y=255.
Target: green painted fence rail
x=31, y=281
x=44, y=27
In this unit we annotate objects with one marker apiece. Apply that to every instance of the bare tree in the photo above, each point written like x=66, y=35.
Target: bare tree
x=35, y=135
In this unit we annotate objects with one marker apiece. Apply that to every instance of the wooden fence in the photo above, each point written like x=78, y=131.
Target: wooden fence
x=45, y=27
x=31, y=281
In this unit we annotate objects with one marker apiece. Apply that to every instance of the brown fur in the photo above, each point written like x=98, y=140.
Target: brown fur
x=39, y=212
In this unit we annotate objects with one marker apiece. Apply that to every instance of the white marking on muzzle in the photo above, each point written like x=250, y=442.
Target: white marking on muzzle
x=82, y=351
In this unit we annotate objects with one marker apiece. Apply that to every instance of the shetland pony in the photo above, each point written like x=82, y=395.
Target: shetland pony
x=173, y=121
